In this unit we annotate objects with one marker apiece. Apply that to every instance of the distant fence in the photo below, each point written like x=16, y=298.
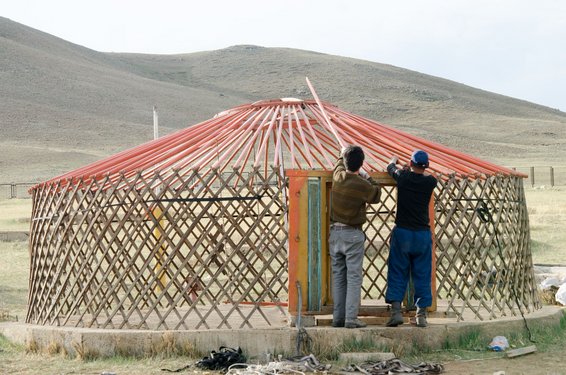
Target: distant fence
x=15, y=190
x=544, y=175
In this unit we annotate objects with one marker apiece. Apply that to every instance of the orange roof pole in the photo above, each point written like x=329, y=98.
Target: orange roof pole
x=311, y=131
x=340, y=141
x=314, y=136
x=363, y=137
x=487, y=165
x=263, y=146
x=301, y=133
x=291, y=141
x=278, y=139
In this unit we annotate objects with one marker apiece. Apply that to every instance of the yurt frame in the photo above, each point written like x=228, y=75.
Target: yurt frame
x=190, y=231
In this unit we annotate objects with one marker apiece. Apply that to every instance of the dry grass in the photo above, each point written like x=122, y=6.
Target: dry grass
x=15, y=214
x=14, y=276
x=547, y=217
x=15, y=359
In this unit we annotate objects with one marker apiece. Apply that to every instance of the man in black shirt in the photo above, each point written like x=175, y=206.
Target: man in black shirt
x=411, y=240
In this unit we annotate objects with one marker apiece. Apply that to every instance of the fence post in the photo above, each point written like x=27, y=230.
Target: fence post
x=551, y=177
x=532, y=173
x=12, y=190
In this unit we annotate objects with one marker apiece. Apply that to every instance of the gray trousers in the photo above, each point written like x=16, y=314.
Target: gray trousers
x=346, y=246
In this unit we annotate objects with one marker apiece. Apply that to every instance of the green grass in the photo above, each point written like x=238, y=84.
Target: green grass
x=471, y=340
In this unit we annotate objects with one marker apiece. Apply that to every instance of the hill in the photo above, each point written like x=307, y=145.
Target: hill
x=64, y=105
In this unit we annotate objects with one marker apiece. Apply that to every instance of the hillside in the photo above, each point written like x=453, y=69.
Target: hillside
x=64, y=105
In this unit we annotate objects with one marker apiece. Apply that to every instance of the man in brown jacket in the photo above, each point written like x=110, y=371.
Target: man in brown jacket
x=352, y=190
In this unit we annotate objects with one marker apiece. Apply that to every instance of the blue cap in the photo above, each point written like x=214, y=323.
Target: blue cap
x=420, y=158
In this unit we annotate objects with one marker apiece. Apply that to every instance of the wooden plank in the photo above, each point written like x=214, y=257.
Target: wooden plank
x=382, y=177
x=369, y=320
x=521, y=351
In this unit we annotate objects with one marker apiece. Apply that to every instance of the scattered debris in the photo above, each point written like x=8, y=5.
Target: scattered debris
x=217, y=360
x=393, y=366
x=304, y=364
x=552, y=283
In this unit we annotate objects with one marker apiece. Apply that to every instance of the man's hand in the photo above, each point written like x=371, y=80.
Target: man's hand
x=394, y=160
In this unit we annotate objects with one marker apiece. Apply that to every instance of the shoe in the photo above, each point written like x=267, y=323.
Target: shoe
x=337, y=323
x=356, y=323
x=420, y=317
x=396, y=316
x=395, y=320
x=421, y=321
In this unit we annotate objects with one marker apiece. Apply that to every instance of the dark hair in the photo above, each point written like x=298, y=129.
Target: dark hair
x=353, y=158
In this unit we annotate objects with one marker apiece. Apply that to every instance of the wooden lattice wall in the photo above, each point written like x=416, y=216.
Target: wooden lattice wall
x=484, y=261
x=209, y=251
x=199, y=253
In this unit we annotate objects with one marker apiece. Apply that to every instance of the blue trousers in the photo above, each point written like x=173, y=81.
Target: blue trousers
x=410, y=253
x=346, y=248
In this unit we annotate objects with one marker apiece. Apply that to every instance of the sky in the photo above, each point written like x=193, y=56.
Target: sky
x=511, y=47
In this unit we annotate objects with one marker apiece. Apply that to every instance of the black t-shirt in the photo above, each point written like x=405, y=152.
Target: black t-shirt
x=413, y=197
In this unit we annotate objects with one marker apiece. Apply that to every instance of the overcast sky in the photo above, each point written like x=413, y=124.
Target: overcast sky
x=511, y=47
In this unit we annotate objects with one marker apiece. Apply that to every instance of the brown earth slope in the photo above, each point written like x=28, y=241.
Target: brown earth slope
x=63, y=105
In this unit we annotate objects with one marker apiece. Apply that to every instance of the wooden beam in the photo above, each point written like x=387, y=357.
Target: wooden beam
x=521, y=351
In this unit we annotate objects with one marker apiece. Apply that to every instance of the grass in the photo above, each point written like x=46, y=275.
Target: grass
x=470, y=345
x=547, y=218
x=14, y=276
x=473, y=345
x=15, y=359
x=15, y=214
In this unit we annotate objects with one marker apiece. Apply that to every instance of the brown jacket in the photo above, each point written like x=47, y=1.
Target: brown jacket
x=350, y=195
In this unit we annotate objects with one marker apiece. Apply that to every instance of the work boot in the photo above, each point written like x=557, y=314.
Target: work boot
x=356, y=323
x=396, y=316
x=421, y=317
x=337, y=323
